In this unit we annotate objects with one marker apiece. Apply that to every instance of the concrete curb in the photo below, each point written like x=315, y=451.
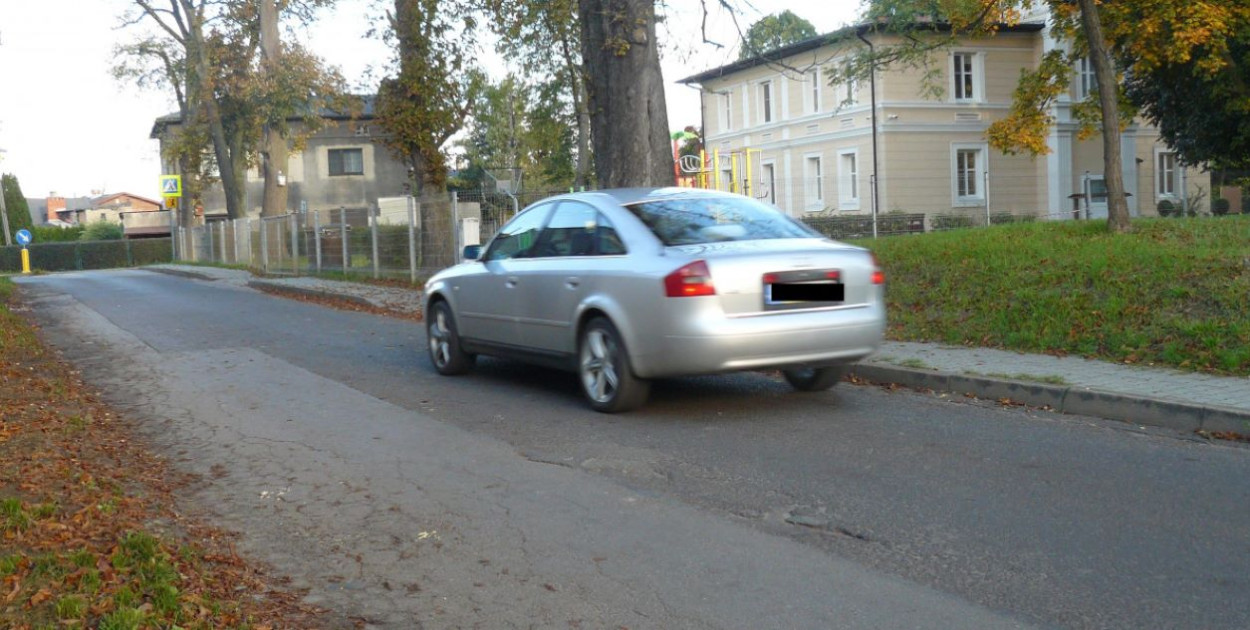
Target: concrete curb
x=1142, y=410
x=318, y=293
x=182, y=273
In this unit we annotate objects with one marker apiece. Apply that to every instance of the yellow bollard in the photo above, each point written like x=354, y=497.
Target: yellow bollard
x=25, y=260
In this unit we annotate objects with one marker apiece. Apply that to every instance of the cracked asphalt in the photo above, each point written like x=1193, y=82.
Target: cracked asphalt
x=403, y=499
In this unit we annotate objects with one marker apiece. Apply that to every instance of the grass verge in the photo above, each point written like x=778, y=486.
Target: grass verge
x=90, y=537
x=1174, y=292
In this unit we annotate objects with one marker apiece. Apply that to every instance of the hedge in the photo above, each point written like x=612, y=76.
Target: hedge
x=83, y=255
x=857, y=226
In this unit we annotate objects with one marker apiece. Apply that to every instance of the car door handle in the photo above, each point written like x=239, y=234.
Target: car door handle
x=573, y=283
x=511, y=282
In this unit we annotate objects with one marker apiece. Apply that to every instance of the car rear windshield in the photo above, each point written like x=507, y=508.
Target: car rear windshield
x=698, y=220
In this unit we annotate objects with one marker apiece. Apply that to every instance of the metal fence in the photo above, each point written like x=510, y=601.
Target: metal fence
x=409, y=237
x=397, y=238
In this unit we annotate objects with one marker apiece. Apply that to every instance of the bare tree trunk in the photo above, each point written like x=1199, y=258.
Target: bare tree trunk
x=629, y=121
x=1108, y=93
x=274, y=157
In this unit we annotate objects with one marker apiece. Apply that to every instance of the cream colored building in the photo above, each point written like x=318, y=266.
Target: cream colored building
x=777, y=129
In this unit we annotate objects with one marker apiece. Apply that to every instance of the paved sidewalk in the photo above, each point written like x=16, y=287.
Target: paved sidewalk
x=1144, y=395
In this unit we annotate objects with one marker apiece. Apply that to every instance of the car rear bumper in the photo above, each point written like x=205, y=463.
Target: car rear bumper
x=768, y=341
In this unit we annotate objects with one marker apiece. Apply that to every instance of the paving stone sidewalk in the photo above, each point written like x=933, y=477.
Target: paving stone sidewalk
x=1147, y=395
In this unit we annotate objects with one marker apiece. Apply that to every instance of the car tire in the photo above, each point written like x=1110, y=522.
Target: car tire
x=444, y=341
x=604, y=370
x=816, y=379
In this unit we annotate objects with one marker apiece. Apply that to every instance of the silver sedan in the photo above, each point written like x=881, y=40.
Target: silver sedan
x=624, y=286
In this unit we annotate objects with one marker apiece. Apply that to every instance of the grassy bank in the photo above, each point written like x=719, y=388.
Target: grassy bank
x=90, y=537
x=1175, y=292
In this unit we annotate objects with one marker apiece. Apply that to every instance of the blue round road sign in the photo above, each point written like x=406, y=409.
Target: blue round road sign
x=23, y=237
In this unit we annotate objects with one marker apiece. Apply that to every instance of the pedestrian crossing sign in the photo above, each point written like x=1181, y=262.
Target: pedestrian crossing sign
x=171, y=185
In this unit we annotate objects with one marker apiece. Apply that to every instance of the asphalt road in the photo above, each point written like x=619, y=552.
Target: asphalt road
x=499, y=500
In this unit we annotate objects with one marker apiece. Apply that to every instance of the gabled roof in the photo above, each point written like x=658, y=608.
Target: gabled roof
x=368, y=107
x=104, y=199
x=842, y=34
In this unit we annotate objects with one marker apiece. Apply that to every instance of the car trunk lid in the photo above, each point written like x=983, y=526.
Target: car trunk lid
x=766, y=276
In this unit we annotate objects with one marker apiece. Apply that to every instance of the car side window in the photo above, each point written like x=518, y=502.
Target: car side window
x=609, y=242
x=517, y=238
x=571, y=231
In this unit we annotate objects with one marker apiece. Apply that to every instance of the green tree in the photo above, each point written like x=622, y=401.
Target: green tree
x=775, y=31
x=625, y=85
x=15, y=204
x=523, y=127
x=1200, y=101
x=544, y=38
x=429, y=98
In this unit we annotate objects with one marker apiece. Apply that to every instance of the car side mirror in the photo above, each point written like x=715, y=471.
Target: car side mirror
x=472, y=252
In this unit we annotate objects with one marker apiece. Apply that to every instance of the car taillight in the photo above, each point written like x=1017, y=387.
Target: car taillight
x=878, y=276
x=689, y=281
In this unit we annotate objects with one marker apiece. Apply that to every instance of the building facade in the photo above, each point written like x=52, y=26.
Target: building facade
x=341, y=165
x=778, y=129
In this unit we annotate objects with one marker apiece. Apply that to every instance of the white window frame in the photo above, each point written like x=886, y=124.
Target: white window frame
x=1086, y=81
x=848, y=179
x=850, y=93
x=813, y=182
x=726, y=110
x=977, y=72
x=813, y=91
x=767, y=107
x=1177, y=188
x=768, y=176
x=979, y=170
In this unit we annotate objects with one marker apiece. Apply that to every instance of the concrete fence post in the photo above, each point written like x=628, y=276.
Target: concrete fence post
x=343, y=235
x=264, y=247
x=412, y=240
x=455, y=228
x=373, y=212
x=317, y=237
x=294, y=242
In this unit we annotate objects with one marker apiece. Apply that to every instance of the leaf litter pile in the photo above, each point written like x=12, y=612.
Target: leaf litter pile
x=89, y=533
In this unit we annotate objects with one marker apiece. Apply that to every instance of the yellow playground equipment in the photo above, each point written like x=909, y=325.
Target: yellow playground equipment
x=732, y=171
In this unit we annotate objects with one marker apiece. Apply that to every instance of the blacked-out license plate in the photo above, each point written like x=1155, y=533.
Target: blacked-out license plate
x=780, y=292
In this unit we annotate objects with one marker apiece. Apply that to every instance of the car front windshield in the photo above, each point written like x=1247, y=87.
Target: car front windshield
x=700, y=220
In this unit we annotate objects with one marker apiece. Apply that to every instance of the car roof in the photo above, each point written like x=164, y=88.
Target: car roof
x=628, y=196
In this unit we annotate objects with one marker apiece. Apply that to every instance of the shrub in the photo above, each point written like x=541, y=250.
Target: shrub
x=53, y=234
x=103, y=231
x=999, y=218
x=1166, y=208
x=150, y=251
x=1245, y=202
x=1220, y=207
x=393, y=246
x=951, y=221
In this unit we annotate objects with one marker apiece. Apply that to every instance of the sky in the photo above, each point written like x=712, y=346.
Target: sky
x=68, y=127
